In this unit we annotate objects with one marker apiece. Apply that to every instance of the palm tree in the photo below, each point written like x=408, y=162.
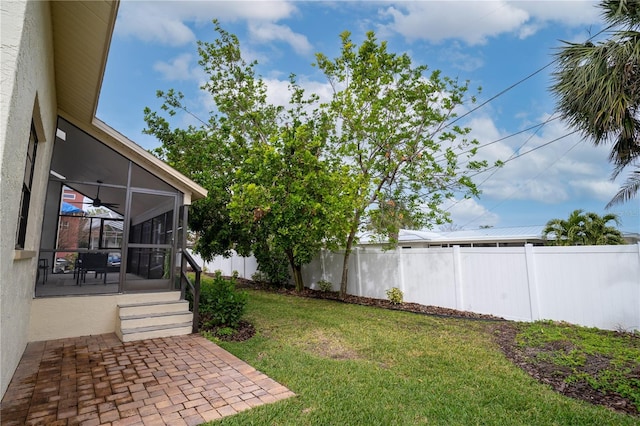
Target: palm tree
x=598, y=88
x=560, y=232
x=582, y=229
x=598, y=233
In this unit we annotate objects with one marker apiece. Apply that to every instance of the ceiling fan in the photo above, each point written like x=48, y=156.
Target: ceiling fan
x=97, y=202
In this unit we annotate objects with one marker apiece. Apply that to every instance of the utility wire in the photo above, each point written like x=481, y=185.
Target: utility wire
x=511, y=158
x=502, y=92
x=517, y=151
x=530, y=179
x=502, y=138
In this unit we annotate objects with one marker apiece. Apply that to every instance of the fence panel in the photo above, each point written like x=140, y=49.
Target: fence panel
x=245, y=266
x=590, y=286
x=595, y=286
x=494, y=281
x=428, y=276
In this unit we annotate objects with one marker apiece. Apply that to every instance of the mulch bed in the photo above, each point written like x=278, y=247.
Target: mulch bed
x=531, y=361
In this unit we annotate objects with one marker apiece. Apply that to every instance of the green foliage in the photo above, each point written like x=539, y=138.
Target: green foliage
x=617, y=355
x=395, y=295
x=224, y=331
x=393, y=132
x=220, y=303
x=271, y=191
x=324, y=285
x=260, y=277
x=284, y=182
x=582, y=229
x=273, y=263
x=597, y=89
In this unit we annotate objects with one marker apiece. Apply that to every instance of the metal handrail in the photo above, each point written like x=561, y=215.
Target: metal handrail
x=195, y=286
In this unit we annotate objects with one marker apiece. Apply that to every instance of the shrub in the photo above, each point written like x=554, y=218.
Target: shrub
x=220, y=303
x=395, y=295
x=260, y=277
x=274, y=264
x=324, y=285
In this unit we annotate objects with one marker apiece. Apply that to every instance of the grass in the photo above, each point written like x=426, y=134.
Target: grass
x=355, y=365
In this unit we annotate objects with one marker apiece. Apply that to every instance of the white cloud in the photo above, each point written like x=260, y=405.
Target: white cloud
x=472, y=22
x=165, y=22
x=602, y=190
x=566, y=169
x=475, y=22
x=266, y=31
x=179, y=68
x=466, y=210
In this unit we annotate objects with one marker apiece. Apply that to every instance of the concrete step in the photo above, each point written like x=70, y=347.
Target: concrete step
x=149, y=320
x=141, y=333
x=157, y=307
x=161, y=317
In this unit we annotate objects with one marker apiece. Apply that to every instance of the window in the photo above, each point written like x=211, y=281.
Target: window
x=26, y=188
x=68, y=196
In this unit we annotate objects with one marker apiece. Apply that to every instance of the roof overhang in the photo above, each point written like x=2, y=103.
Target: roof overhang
x=82, y=33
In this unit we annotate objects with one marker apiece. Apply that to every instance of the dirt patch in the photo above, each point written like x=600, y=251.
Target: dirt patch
x=244, y=331
x=329, y=347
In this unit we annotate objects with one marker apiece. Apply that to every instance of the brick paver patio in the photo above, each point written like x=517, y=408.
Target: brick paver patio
x=98, y=380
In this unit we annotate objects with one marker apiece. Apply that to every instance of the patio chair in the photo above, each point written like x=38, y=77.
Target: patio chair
x=43, y=265
x=94, y=262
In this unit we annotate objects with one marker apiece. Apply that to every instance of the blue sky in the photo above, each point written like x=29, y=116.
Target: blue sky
x=493, y=44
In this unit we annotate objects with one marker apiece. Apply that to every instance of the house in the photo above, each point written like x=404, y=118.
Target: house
x=516, y=236
x=53, y=57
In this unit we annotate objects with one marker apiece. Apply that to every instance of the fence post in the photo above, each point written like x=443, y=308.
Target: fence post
x=638, y=319
x=323, y=269
x=457, y=278
x=358, y=274
x=534, y=303
x=400, y=258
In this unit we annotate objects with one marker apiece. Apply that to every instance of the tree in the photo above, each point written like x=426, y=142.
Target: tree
x=271, y=190
x=582, y=229
x=598, y=89
x=391, y=133
x=292, y=198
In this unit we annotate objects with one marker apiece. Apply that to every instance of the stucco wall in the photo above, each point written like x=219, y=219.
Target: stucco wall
x=27, y=86
x=62, y=317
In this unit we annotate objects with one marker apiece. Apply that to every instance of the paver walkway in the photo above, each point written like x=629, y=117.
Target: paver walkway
x=98, y=380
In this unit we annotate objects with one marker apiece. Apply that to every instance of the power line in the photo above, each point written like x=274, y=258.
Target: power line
x=511, y=158
x=535, y=177
x=503, y=138
x=518, y=149
x=502, y=92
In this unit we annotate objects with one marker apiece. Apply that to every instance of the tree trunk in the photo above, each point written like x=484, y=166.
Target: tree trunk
x=297, y=277
x=297, y=272
x=345, y=262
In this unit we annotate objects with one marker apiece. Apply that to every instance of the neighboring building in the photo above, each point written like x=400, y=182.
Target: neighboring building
x=53, y=57
x=73, y=197
x=485, y=237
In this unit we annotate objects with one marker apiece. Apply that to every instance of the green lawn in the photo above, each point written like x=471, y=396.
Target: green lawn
x=355, y=365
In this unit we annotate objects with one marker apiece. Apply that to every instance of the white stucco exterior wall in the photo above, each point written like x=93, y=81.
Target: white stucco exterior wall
x=62, y=317
x=27, y=88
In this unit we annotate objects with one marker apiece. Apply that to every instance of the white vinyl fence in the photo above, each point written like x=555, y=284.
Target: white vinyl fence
x=246, y=266
x=594, y=286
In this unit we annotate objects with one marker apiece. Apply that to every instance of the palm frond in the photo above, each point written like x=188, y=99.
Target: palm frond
x=628, y=190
